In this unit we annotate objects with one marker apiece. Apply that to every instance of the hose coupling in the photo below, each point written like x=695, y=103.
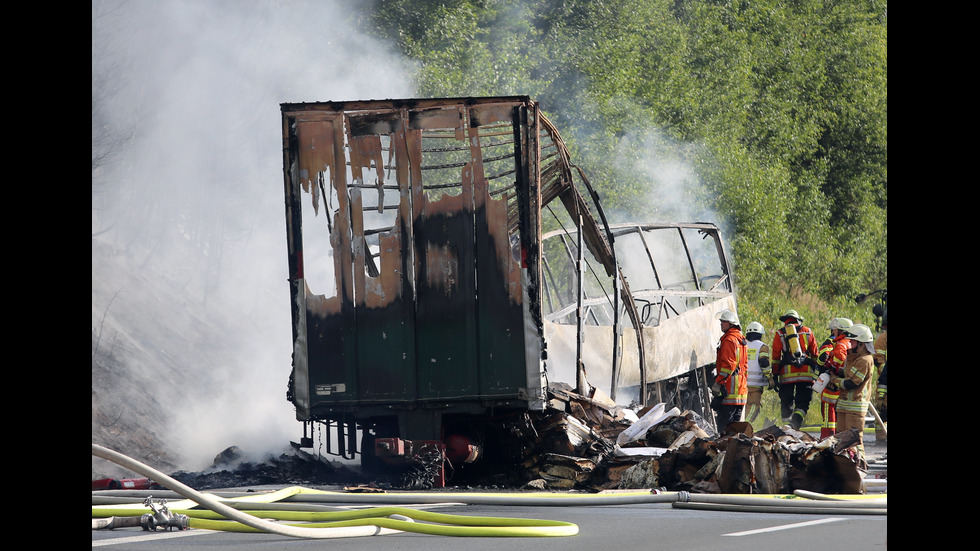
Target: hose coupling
x=162, y=517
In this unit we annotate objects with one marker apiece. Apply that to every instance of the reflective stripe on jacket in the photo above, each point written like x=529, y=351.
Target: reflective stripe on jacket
x=732, y=366
x=789, y=372
x=881, y=348
x=835, y=361
x=754, y=350
x=858, y=369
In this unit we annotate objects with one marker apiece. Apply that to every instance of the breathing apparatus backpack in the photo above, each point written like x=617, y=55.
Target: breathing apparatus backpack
x=794, y=350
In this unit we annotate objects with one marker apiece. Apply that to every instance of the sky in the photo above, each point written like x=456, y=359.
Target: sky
x=192, y=196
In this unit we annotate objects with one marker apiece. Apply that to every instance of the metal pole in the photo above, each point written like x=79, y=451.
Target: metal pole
x=580, y=380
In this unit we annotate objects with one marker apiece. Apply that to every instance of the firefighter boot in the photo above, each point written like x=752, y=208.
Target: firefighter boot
x=796, y=420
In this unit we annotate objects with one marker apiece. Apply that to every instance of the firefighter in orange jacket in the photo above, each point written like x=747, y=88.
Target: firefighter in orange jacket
x=731, y=364
x=794, y=349
x=830, y=358
x=855, y=382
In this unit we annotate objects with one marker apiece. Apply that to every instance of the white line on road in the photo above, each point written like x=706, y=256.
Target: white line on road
x=784, y=527
x=143, y=538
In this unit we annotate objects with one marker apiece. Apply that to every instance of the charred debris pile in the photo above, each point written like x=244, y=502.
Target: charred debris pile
x=592, y=444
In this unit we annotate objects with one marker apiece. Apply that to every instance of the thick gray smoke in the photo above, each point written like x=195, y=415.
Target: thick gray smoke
x=189, y=249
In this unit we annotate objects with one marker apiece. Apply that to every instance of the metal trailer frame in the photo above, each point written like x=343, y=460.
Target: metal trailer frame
x=431, y=306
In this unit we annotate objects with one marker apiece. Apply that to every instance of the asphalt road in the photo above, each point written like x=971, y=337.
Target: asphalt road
x=605, y=527
x=642, y=526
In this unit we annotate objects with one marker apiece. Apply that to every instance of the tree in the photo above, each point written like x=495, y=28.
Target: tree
x=773, y=114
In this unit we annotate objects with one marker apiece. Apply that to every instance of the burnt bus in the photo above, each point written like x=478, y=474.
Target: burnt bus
x=448, y=262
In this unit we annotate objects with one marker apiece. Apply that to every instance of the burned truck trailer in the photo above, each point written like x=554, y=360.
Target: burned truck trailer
x=448, y=262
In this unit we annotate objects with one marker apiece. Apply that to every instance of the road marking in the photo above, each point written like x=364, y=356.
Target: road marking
x=148, y=537
x=784, y=527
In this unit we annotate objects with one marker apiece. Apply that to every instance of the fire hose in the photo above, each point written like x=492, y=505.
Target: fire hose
x=341, y=524
x=298, y=497
x=814, y=503
x=874, y=411
x=323, y=524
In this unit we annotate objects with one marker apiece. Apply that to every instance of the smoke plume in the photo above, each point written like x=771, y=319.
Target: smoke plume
x=190, y=299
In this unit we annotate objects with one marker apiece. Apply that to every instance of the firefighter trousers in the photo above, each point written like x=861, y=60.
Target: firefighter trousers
x=853, y=420
x=828, y=413
x=754, y=403
x=727, y=414
x=794, y=401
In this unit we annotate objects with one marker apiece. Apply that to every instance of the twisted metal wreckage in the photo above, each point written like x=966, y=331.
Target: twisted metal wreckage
x=444, y=305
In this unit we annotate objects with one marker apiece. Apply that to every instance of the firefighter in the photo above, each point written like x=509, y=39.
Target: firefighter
x=760, y=370
x=881, y=364
x=830, y=357
x=854, y=380
x=795, y=349
x=730, y=387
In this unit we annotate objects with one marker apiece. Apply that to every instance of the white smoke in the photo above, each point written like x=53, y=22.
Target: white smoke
x=189, y=196
x=672, y=189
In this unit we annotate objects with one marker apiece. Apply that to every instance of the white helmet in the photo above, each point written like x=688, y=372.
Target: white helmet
x=839, y=323
x=729, y=316
x=791, y=314
x=859, y=332
x=755, y=327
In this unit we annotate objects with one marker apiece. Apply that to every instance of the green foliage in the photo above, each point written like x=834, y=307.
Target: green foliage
x=767, y=117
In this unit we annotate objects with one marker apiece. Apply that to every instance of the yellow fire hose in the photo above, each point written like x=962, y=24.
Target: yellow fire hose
x=319, y=523
x=323, y=524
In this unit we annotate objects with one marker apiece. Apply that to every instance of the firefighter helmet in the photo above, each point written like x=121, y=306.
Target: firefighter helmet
x=729, y=316
x=755, y=327
x=839, y=323
x=791, y=314
x=859, y=332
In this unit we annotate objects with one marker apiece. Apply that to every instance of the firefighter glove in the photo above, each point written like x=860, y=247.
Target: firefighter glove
x=717, y=388
x=772, y=383
x=716, y=403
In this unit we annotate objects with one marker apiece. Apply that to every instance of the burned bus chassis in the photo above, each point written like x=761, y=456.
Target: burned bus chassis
x=443, y=309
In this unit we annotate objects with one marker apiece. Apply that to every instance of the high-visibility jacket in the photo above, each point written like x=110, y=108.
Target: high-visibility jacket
x=858, y=369
x=881, y=359
x=791, y=371
x=758, y=376
x=836, y=354
x=731, y=364
x=824, y=350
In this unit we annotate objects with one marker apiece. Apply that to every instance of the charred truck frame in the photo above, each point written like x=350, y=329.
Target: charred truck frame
x=445, y=268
